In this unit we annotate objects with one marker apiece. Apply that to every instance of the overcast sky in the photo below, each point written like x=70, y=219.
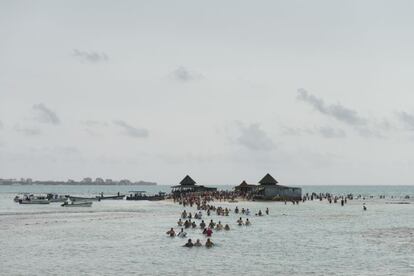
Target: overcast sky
x=313, y=92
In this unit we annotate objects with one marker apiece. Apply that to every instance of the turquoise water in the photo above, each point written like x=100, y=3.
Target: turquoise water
x=128, y=238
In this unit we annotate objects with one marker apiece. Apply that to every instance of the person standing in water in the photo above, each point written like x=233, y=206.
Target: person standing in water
x=209, y=243
x=198, y=243
x=189, y=243
x=209, y=232
x=171, y=232
x=267, y=211
x=182, y=234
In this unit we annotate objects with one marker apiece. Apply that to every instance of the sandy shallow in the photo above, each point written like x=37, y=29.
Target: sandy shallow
x=124, y=237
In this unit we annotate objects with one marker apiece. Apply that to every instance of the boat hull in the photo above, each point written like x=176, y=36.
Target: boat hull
x=77, y=204
x=120, y=197
x=34, y=201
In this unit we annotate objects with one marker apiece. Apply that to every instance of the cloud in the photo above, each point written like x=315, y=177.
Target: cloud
x=329, y=132
x=185, y=75
x=254, y=138
x=407, y=119
x=325, y=131
x=130, y=130
x=91, y=56
x=93, y=123
x=295, y=131
x=28, y=131
x=336, y=111
x=45, y=115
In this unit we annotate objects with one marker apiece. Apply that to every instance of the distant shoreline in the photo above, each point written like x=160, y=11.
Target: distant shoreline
x=79, y=184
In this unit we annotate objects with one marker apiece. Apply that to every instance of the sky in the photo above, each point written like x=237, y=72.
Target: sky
x=312, y=92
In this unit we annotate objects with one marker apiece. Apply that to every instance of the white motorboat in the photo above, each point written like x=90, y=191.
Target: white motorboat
x=56, y=198
x=32, y=199
x=77, y=204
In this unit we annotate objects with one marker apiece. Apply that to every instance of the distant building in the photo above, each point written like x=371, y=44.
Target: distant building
x=124, y=182
x=245, y=188
x=99, y=180
x=269, y=189
x=188, y=185
x=108, y=181
x=87, y=180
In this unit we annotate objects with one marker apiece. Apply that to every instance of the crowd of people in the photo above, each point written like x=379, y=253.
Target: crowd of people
x=204, y=208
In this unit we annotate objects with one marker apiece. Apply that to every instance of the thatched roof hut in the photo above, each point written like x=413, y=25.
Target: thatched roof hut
x=187, y=181
x=244, y=187
x=189, y=185
x=268, y=180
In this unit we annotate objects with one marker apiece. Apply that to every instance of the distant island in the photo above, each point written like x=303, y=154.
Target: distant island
x=85, y=181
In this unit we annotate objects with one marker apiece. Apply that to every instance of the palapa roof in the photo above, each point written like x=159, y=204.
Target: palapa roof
x=245, y=184
x=187, y=181
x=268, y=180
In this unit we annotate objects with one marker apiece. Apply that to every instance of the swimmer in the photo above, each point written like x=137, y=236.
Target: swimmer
x=267, y=211
x=182, y=234
x=247, y=212
x=198, y=243
x=226, y=212
x=240, y=221
x=180, y=222
x=236, y=210
x=260, y=213
x=184, y=214
x=219, y=226
x=248, y=222
x=212, y=224
x=202, y=224
x=171, y=232
x=209, y=232
x=227, y=227
x=364, y=207
x=189, y=243
x=187, y=224
x=209, y=243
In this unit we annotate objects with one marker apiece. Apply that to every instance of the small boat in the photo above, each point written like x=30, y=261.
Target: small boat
x=18, y=197
x=77, y=204
x=141, y=195
x=56, y=198
x=80, y=198
x=114, y=197
x=32, y=199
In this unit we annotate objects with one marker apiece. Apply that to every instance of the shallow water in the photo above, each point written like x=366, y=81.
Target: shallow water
x=127, y=237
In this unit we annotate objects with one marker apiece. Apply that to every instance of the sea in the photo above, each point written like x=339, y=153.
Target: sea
x=119, y=237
